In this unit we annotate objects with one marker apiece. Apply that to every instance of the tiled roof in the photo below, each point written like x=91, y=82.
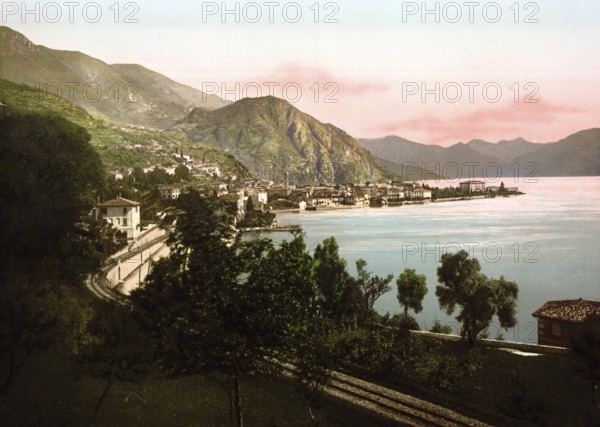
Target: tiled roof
x=568, y=310
x=118, y=202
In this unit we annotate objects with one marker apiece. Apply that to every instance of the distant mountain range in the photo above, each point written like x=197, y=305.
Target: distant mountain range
x=124, y=93
x=575, y=155
x=268, y=135
x=271, y=137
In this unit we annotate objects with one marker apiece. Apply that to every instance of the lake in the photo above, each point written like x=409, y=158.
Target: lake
x=547, y=241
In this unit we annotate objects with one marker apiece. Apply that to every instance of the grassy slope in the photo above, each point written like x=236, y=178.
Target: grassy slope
x=552, y=381
x=114, y=143
x=51, y=392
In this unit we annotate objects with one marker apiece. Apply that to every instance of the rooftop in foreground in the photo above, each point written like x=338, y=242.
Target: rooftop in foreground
x=569, y=310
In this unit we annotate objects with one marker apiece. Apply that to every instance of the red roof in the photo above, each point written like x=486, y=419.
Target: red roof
x=118, y=202
x=569, y=310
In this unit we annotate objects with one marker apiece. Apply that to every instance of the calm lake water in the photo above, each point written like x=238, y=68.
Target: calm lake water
x=547, y=241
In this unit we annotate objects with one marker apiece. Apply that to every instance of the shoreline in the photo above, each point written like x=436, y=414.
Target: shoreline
x=403, y=203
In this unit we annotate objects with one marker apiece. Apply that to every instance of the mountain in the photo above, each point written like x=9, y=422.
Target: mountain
x=412, y=155
x=503, y=150
x=124, y=93
x=272, y=137
x=576, y=155
x=120, y=147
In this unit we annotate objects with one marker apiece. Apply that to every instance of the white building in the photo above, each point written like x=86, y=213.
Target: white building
x=123, y=214
x=169, y=192
x=209, y=169
x=418, y=193
x=259, y=197
x=472, y=186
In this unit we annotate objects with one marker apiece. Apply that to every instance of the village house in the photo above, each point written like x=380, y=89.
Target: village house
x=238, y=200
x=472, y=186
x=418, y=193
x=208, y=168
x=356, y=198
x=123, y=214
x=259, y=197
x=393, y=193
x=323, y=199
x=559, y=321
x=115, y=176
x=219, y=188
x=280, y=190
x=257, y=182
x=170, y=170
x=185, y=158
x=169, y=192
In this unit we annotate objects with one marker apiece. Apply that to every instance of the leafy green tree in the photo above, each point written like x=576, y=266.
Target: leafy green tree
x=317, y=354
x=182, y=173
x=480, y=298
x=216, y=303
x=50, y=178
x=249, y=205
x=330, y=273
x=412, y=288
x=372, y=287
x=586, y=348
x=351, y=308
x=438, y=328
x=137, y=179
x=159, y=176
x=502, y=189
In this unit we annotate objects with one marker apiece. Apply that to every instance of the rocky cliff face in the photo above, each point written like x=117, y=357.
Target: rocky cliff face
x=272, y=137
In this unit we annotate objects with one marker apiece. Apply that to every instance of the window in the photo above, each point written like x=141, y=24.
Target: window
x=124, y=211
x=125, y=222
x=103, y=211
x=556, y=330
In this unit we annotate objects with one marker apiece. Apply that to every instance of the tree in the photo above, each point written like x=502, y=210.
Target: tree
x=412, y=288
x=249, y=205
x=330, y=274
x=50, y=178
x=438, y=328
x=217, y=303
x=158, y=176
x=371, y=286
x=480, y=298
x=586, y=348
x=182, y=173
x=318, y=353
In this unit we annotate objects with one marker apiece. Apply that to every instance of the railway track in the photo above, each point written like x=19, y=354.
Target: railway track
x=389, y=403
x=98, y=284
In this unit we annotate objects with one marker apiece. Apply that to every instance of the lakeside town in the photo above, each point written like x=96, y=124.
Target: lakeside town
x=256, y=200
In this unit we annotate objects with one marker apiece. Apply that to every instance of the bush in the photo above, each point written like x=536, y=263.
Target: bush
x=438, y=328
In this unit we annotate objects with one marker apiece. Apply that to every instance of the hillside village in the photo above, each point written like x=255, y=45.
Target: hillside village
x=266, y=195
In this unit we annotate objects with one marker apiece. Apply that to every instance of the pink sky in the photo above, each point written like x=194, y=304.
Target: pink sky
x=363, y=63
